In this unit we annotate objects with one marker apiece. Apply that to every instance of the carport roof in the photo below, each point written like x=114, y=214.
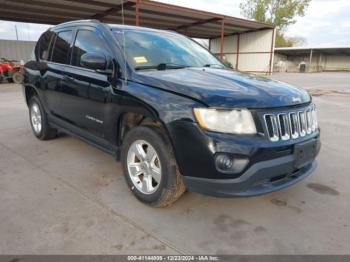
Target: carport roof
x=345, y=50
x=194, y=23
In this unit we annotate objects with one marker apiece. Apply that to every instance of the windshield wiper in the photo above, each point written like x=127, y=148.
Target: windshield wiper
x=161, y=66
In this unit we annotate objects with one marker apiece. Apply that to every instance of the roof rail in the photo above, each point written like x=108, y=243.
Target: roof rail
x=79, y=21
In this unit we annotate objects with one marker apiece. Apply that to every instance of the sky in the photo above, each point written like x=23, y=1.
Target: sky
x=326, y=23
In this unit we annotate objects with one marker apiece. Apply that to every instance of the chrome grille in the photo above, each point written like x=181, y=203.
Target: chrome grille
x=291, y=125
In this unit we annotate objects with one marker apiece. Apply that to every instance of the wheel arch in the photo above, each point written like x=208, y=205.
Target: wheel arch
x=129, y=120
x=29, y=92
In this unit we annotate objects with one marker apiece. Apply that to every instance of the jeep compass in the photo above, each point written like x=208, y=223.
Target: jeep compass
x=170, y=111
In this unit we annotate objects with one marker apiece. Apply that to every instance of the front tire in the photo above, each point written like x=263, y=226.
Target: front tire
x=150, y=167
x=38, y=120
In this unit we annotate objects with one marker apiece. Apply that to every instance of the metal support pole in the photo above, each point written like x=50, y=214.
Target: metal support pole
x=16, y=32
x=320, y=66
x=272, y=51
x=137, y=13
x=310, y=62
x=237, y=55
x=222, y=38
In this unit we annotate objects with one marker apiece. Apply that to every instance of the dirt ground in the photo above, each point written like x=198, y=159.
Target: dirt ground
x=66, y=197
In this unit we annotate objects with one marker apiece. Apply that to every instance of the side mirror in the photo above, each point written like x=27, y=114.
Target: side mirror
x=94, y=61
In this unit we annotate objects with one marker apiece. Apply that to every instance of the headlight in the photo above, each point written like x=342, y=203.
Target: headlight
x=239, y=121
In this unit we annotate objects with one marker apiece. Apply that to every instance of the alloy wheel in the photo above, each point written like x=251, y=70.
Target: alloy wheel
x=144, y=166
x=35, y=116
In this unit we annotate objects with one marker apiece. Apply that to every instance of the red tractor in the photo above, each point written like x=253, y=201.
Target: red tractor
x=11, y=71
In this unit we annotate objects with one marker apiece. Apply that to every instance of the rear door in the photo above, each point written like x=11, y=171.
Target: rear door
x=44, y=73
x=58, y=58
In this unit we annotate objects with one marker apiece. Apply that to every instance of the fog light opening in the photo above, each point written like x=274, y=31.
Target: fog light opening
x=228, y=164
x=224, y=162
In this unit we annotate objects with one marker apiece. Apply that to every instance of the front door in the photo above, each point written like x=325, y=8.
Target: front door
x=85, y=90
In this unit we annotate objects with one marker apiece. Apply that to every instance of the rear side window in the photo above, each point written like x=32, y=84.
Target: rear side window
x=86, y=42
x=43, y=46
x=60, y=51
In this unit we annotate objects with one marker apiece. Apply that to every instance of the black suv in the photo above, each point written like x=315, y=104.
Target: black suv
x=174, y=115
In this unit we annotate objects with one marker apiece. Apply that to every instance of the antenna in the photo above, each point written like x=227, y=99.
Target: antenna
x=124, y=55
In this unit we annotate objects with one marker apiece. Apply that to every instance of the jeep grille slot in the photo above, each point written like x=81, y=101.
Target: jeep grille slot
x=291, y=125
x=272, y=127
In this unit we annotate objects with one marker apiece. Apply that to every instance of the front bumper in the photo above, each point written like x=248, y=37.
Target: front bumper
x=272, y=165
x=261, y=178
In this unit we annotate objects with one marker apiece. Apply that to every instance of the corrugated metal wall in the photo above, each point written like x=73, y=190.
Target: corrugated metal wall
x=16, y=50
x=254, y=52
x=336, y=63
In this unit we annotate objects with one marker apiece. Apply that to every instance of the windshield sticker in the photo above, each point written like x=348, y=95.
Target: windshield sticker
x=140, y=59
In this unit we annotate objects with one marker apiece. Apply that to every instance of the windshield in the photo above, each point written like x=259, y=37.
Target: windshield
x=155, y=50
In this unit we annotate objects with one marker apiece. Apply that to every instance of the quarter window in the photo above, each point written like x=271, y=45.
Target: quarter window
x=60, y=52
x=44, y=44
x=86, y=42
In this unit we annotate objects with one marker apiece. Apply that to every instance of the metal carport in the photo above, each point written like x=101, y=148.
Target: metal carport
x=191, y=22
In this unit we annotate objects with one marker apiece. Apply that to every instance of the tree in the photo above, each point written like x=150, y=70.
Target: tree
x=283, y=41
x=281, y=13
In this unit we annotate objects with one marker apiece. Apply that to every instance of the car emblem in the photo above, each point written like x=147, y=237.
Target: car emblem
x=296, y=99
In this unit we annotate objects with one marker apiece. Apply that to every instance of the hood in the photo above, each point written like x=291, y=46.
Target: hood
x=224, y=88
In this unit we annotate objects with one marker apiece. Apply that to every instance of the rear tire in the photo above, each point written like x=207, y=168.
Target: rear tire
x=38, y=120
x=151, y=173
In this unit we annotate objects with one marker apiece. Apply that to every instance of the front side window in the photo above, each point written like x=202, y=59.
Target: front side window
x=87, y=42
x=147, y=49
x=61, y=47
